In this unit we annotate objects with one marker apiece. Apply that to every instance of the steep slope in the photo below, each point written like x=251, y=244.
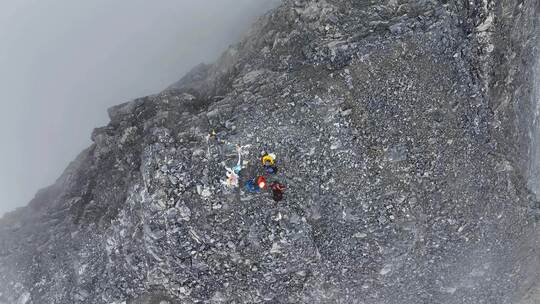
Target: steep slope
x=400, y=134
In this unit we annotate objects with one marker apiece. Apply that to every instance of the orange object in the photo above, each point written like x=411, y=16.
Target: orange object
x=261, y=182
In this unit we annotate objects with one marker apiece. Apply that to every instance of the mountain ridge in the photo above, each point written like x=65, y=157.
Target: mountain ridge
x=399, y=137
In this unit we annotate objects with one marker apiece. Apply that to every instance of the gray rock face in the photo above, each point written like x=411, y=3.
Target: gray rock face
x=402, y=131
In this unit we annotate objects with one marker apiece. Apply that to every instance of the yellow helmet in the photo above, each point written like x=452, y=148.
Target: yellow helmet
x=268, y=158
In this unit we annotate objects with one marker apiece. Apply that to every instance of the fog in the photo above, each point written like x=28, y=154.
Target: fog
x=64, y=62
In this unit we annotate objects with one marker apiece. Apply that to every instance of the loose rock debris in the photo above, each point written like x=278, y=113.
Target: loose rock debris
x=391, y=120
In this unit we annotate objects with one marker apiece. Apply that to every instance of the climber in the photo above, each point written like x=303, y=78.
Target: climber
x=269, y=163
x=241, y=150
x=255, y=185
x=268, y=159
x=261, y=183
x=234, y=172
x=277, y=191
x=251, y=186
x=232, y=178
x=238, y=166
x=271, y=169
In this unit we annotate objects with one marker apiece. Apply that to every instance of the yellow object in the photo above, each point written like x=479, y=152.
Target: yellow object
x=268, y=158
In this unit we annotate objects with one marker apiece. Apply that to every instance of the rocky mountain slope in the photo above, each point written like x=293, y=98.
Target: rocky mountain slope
x=403, y=133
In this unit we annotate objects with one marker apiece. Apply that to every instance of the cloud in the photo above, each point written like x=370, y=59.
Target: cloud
x=62, y=63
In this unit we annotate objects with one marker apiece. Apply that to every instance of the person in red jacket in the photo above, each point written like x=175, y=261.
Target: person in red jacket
x=256, y=185
x=261, y=182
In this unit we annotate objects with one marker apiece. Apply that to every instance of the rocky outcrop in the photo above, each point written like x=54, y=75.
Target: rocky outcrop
x=401, y=137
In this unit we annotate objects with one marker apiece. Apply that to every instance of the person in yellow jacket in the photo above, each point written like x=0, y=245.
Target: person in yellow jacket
x=269, y=162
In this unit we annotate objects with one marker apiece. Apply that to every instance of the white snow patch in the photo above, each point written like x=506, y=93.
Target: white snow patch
x=450, y=290
x=386, y=269
x=486, y=24
x=275, y=248
x=203, y=191
x=359, y=235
